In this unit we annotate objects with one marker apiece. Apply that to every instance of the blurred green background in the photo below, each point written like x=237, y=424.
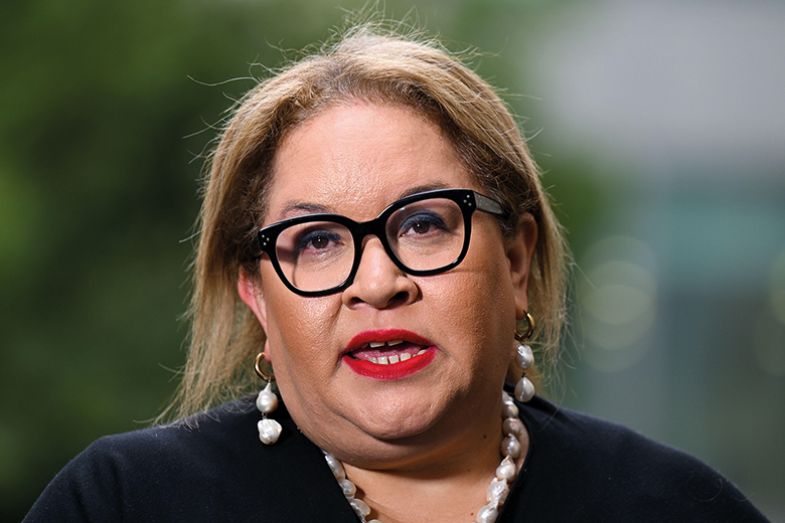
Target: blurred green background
x=660, y=126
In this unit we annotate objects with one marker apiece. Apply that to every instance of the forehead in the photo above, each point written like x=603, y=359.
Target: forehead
x=357, y=158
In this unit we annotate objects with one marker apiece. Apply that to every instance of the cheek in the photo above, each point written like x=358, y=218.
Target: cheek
x=477, y=308
x=297, y=328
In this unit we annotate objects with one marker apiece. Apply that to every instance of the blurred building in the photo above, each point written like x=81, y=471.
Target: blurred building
x=678, y=110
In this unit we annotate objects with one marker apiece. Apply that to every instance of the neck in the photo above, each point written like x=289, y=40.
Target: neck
x=454, y=492
x=448, y=483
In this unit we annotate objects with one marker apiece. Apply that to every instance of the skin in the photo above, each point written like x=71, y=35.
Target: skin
x=437, y=432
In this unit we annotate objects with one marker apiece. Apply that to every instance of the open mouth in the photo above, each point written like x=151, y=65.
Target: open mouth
x=389, y=354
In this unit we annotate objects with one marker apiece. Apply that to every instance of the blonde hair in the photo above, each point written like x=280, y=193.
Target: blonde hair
x=369, y=65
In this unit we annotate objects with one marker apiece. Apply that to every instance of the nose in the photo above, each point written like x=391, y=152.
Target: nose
x=378, y=282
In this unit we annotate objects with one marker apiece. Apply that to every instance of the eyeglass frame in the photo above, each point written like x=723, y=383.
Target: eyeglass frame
x=468, y=201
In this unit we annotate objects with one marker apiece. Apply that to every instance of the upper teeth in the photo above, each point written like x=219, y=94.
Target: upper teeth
x=377, y=344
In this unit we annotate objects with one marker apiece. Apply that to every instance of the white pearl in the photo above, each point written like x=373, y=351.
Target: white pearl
x=511, y=446
x=269, y=431
x=349, y=490
x=335, y=466
x=487, y=514
x=524, y=390
x=525, y=356
x=507, y=399
x=506, y=469
x=360, y=507
x=497, y=492
x=513, y=426
x=267, y=401
x=510, y=411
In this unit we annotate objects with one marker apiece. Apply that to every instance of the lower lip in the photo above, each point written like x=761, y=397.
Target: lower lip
x=392, y=371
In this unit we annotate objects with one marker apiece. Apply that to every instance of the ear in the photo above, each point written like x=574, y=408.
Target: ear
x=249, y=289
x=520, y=251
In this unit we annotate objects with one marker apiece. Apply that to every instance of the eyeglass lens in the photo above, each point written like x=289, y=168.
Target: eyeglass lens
x=424, y=235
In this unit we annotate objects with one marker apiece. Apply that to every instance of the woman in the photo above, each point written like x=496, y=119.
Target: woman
x=376, y=240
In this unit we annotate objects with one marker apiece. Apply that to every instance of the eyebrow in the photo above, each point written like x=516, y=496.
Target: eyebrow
x=297, y=207
x=421, y=188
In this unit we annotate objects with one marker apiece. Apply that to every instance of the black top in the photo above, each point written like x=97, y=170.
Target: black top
x=578, y=469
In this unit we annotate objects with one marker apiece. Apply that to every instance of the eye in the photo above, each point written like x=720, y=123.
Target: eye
x=317, y=241
x=420, y=224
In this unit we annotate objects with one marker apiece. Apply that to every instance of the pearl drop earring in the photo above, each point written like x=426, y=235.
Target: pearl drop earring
x=266, y=402
x=524, y=389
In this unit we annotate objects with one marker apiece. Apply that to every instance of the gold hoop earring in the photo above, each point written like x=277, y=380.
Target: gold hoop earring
x=524, y=389
x=530, y=326
x=257, y=367
x=266, y=402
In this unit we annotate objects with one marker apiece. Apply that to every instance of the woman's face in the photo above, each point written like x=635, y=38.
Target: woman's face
x=356, y=159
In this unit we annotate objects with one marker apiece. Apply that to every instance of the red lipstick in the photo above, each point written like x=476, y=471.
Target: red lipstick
x=388, y=354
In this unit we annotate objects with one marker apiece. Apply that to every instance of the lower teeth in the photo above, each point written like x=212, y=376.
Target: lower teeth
x=395, y=358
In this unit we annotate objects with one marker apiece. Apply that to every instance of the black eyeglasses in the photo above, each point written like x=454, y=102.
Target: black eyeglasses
x=423, y=234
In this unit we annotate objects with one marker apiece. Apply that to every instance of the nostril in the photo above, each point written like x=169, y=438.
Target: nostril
x=381, y=298
x=355, y=300
x=399, y=297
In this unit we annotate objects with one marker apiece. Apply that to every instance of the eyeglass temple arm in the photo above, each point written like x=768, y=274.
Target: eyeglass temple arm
x=488, y=205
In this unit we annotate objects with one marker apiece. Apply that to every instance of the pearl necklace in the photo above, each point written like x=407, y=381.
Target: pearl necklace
x=499, y=488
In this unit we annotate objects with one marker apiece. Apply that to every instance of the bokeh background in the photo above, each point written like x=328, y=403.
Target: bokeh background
x=660, y=127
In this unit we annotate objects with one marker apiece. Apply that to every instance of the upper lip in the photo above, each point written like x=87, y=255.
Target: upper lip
x=362, y=339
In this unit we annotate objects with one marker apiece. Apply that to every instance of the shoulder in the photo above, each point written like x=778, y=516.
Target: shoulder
x=119, y=476
x=168, y=449
x=589, y=466
x=187, y=448
x=208, y=468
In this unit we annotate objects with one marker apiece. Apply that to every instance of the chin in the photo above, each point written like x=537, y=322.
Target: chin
x=399, y=419
x=392, y=430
